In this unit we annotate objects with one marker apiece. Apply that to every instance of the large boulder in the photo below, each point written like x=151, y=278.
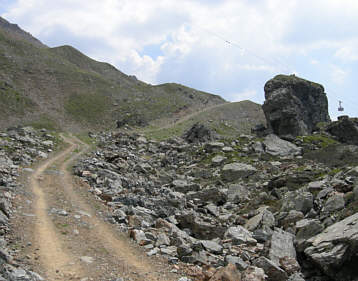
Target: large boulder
x=278, y=147
x=335, y=249
x=345, y=129
x=293, y=106
x=198, y=133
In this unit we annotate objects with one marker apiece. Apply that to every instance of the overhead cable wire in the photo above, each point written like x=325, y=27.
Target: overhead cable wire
x=271, y=61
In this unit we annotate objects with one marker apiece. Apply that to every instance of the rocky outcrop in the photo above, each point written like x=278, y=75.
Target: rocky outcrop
x=345, y=129
x=293, y=106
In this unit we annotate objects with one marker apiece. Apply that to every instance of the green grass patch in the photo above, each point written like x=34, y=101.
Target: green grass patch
x=87, y=107
x=86, y=139
x=12, y=101
x=44, y=122
x=319, y=140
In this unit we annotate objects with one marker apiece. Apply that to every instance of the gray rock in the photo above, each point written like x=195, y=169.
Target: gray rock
x=237, y=193
x=214, y=146
x=162, y=240
x=278, y=147
x=299, y=201
x=273, y=271
x=265, y=219
x=237, y=261
x=306, y=229
x=184, y=279
x=184, y=250
x=316, y=186
x=212, y=246
x=262, y=235
x=183, y=186
x=296, y=277
x=355, y=191
x=3, y=219
x=170, y=251
x=253, y=273
x=48, y=143
x=334, y=250
x=200, y=228
x=198, y=133
x=227, y=149
x=334, y=203
x=258, y=147
x=153, y=252
x=293, y=106
x=235, y=171
x=323, y=193
x=239, y=235
x=345, y=129
x=86, y=259
x=291, y=219
x=281, y=246
x=214, y=195
x=5, y=206
x=218, y=160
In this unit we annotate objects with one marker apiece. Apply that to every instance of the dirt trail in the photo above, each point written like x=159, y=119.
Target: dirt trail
x=69, y=235
x=187, y=117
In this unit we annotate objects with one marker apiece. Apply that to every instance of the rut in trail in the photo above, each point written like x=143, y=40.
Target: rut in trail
x=73, y=242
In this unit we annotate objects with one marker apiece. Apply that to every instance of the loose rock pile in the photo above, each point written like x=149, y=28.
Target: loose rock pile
x=257, y=209
x=19, y=147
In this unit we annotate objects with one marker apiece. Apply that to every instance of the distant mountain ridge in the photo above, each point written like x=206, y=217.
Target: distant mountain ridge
x=15, y=29
x=61, y=87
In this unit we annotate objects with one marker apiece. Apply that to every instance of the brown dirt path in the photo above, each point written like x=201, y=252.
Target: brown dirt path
x=70, y=239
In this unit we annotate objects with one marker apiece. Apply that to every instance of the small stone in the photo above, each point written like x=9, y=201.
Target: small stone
x=87, y=259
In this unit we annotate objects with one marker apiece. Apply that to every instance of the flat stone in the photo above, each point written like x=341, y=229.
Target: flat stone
x=306, y=229
x=212, y=246
x=239, y=235
x=335, y=248
x=281, y=246
x=217, y=160
x=235, y=171
x=273, y=271
x=279, y=147
x=87, y=259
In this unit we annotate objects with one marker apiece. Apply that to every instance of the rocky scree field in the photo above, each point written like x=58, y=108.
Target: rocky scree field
x=19, y=148
x=259, y=204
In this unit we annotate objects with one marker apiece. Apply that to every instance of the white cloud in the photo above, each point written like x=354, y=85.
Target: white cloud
x=247, y=94
x=347, y=53
x=338, y=75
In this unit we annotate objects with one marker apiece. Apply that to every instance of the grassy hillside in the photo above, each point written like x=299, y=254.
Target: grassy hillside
x=228, y=120
x=66, y=89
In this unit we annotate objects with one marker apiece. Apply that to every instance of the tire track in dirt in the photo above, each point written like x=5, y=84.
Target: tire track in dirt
x=53, y=257
x=60, y=255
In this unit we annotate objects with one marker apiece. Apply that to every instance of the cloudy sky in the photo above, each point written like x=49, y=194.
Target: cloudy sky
x=226, y=47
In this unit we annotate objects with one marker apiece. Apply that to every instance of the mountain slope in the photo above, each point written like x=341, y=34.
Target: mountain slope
x=61, y=87
x=227, y=120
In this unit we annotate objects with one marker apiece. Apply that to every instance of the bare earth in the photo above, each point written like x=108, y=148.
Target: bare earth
x=76, y=244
